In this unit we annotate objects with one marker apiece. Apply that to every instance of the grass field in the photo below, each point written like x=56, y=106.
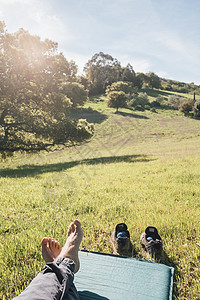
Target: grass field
x=141, y=168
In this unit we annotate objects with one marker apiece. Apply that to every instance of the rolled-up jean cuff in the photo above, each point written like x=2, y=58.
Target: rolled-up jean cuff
x=55, y=281
x=65, y=261
x=65, y=265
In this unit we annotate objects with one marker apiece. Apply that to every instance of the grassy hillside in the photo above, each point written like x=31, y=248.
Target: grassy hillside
x=141, y=168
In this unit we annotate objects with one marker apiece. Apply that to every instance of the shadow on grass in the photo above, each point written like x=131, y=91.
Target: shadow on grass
x=132, y=115
x=156, y=93
x=97, y=98
x=33, y=170
x=91, y=115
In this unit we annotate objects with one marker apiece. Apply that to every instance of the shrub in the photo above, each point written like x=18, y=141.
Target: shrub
x=117, y=99
x=175, y=101
x=75, y=92
x=186, y=107
x=140, y=101
x=118, y=86
x=160, y=99
x=155, y=103
x=196, y=109
x=147, y=107
x=139, y=107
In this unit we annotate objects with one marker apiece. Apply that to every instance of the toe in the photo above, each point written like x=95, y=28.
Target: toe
x=52, y=243
x=56, y=244
x=77, y=222
x=44, y=241
x=70, y=229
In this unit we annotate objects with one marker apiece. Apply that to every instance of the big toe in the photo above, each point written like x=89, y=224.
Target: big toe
x=44, y=242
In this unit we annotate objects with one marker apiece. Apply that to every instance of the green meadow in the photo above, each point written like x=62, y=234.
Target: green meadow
x=141, y=168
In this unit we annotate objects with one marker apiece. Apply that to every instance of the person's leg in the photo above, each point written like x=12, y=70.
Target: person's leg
x=55, y=281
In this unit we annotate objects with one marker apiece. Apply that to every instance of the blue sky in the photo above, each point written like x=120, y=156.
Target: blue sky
x=161, y=36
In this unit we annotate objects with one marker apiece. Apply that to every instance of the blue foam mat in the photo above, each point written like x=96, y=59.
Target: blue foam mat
x=111, y=277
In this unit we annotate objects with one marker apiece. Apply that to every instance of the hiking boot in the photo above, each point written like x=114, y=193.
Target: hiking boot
x=120, y=240
x=152, y=243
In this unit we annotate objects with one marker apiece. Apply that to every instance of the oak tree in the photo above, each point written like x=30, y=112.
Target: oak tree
x=117, y=99
x=33, y=103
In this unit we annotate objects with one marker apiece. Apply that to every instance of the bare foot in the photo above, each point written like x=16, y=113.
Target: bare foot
x=73, y=241
x=50, y=249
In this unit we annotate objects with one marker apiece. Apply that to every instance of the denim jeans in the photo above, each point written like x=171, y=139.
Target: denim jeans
x=54, y=282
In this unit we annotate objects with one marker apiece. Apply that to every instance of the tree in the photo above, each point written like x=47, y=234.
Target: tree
x=118, y=86
x=153, y=80
x=116, y=99
x=128, y=74
x=33, y=106
x=101, y=70
x=83, y=80
x=75, y=92
x=140, y=80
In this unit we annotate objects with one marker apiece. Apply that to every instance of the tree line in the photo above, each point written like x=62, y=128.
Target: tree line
x=102, y=70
